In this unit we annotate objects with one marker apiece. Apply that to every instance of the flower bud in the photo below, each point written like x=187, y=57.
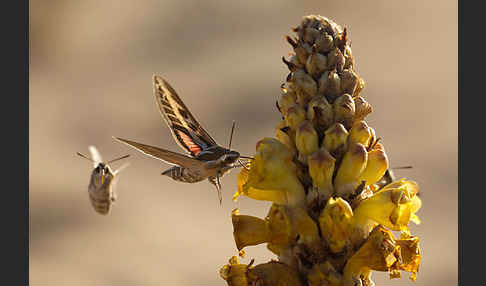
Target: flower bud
x=286, y=101
x=349, y=81
x=344, y=110
x=321, y=169
x=320, y=112
x=352, y=165
x=305, y=83
x=235, y=273
x=316, y=63
x=306, y=140
x=360, y=87
x=285, y=135
x=295, y=116
x=324, y=43
x=335, y=60
x=335, y=137
x=274, y=273
x=335, y=221
x=330, y=84
x=348, y=57
x=363, y=108
x=360, y=133
x=375, y=168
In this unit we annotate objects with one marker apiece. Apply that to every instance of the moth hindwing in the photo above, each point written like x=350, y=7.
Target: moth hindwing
x=205, y=159
x=101, y=188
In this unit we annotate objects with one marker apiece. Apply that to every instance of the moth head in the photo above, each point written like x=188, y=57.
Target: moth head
x=101, y=173
x=230, y=157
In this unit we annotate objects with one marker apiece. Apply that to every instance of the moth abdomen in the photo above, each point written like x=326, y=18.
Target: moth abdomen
x=101, y=205
x=182, y=174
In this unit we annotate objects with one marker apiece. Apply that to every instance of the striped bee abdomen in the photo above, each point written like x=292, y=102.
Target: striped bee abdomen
x=182, y=175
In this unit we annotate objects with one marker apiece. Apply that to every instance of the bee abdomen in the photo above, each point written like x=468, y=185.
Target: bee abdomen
x=182, y=175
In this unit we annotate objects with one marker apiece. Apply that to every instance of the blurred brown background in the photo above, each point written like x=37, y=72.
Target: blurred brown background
x=90, y=78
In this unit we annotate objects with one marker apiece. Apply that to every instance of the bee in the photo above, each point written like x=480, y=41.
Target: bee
x=101, y=184
x=205, y=159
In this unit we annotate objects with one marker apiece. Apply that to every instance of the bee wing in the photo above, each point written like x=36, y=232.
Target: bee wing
x=95, y=155
x=185, y=129
x=165, y=155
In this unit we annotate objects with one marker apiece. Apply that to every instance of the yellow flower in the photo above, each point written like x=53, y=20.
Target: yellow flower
x=393, y=206
x=272, y=175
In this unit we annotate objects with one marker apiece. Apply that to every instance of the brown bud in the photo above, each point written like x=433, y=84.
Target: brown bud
x=304, y=82
x=335, y=60
x=324, y=43
x=363, y=108
x=344, y=110
x=335, y=137
x=320, y=112
x=349, y=81
x=316, y=64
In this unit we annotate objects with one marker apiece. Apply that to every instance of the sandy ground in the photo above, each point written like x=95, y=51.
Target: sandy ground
x=91, y=68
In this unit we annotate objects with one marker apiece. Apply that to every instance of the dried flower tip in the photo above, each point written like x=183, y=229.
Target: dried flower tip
x=344, y=110
x=375, y=168
x=349, y=81
x=316, y=64
x=291, y=66
x=363, y=108
x=352, y=165
x=410, y=254
x=306, y=140
x=360, y=133
x=295, y=116
x=335, y=221
x=304, y=82
x=321, y=169
x=335, y=137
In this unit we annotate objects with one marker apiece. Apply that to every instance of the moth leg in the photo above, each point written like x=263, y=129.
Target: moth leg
x=218, y=187
x=113, y=197
x=216, y=182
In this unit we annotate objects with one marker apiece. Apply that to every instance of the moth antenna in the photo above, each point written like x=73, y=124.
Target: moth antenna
x=231, y=135
x=85, y=157
x=122, y=157
x=402, y=167
x=246, y=157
